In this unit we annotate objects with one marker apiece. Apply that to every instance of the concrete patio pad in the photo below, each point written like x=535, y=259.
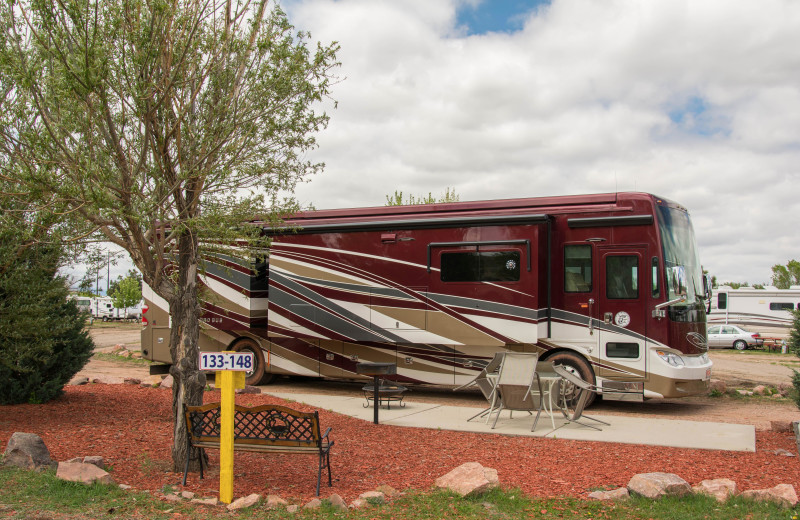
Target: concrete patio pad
x=624, y=429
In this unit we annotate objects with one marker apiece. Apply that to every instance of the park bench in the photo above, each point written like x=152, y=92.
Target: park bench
x=265, y=428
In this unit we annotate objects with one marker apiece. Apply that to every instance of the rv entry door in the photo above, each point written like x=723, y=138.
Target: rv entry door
x=622, y=313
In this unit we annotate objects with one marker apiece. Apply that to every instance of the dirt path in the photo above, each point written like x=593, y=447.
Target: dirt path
x=737, y=369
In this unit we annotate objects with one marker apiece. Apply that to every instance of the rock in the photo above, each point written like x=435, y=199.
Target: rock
x=116, y=348
x=274, y=502
x=744, y=392
x=314, y=503
x=717, y=385
x=373, y=497
x=172, y=497
x=337, y=502
x=85, y=473
x=760, y=390
x=244, y=502
x=97, y=460
x=469, y=479
x=358, y=503
x=781, y=426
x=167, y=382
x=657, y=485
x=388, y=491
x=124, y=353
x=108, y=380
x=125, y=487
x=783, y=453
x=79, y=380
x=28, y=451
x=783, y=494
x=249, y=390
x=615, y=494
x=721, y=489
x=213, y=501
x=132, y=381
x=188, y=495
x=784, y=388
x=292, y=508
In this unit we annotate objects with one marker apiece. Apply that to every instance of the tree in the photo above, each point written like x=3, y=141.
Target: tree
x=171, y=129
x=132, y=273
x=43, y=337
x=397, y=198
x=784, y=276
x=128, y=293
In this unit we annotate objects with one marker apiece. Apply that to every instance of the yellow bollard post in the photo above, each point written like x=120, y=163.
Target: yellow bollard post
x=226, y=436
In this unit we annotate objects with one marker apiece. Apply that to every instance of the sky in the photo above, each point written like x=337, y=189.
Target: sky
x=697, y=101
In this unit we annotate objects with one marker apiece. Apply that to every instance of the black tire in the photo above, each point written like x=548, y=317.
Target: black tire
x=105, y=319
x=254, y=377
x=580, y=367
x=740, y=344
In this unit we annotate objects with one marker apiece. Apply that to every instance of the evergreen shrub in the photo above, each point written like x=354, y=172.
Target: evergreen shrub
x=43, y=337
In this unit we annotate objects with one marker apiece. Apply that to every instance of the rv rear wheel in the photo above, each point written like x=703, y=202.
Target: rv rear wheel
x=252, y=377
x=578, y=366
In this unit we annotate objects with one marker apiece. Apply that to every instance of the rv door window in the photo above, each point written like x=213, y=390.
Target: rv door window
x=722, y=300
x=578, y=268
x=481, y=266
x=622, y=277
x=781, y=306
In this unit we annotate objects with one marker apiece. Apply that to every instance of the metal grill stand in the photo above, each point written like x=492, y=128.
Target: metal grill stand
x=376, y=370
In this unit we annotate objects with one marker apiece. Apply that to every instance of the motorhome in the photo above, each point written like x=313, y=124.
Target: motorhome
x=766, y=311
x=609, y=285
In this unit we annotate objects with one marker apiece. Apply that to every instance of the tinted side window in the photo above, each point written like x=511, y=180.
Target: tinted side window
x=481, y=266
x=622, y=277
x=622, y=350
x=578, y=268
x=781, y=306
x=722, y=301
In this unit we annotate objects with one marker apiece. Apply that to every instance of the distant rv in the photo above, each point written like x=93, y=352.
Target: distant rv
x=768, y=311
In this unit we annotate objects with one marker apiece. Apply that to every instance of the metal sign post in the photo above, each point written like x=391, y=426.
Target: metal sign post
x=230, y=368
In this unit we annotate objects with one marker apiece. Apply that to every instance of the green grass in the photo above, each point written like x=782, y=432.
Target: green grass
x=113, y=357
x=27, y=494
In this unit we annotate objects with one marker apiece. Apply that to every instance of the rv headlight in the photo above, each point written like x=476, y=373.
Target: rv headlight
x=673, y=359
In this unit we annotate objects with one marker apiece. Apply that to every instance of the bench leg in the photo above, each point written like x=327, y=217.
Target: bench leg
x=201, y=454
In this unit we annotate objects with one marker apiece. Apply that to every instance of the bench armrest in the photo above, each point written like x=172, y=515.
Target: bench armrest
x=325, y=435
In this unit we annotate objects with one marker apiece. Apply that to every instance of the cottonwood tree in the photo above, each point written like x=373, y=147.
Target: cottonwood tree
x=398, y=199
x=784, y=276
x=161, y=126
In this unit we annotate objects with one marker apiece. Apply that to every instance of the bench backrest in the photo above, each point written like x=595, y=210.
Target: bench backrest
x=271, y=425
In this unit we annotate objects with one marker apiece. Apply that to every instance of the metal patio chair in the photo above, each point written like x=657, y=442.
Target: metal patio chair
x=518, y=386
x=485, y=381
x=584, y=392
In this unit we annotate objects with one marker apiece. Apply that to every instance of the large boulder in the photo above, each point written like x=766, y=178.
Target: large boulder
x=657, y=485
x=721, y=488
x=469, y=479
x=783, y=494
x=82, y=472
x=28, y=451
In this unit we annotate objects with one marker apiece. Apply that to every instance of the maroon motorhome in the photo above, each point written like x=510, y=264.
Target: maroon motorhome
x=609, y=285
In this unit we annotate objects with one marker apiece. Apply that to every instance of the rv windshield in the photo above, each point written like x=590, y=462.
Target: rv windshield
x=684, y=275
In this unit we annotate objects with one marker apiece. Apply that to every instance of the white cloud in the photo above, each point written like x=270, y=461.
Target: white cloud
x=695, y=101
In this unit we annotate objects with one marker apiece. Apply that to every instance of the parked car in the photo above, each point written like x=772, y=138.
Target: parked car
x=727, y=336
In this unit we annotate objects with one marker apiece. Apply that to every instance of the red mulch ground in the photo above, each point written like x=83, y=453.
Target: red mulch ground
x=130, y=427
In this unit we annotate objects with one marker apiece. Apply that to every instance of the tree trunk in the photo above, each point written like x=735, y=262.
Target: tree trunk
x=189, y=381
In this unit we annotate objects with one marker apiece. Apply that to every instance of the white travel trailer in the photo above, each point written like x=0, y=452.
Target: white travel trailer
x=767, y=311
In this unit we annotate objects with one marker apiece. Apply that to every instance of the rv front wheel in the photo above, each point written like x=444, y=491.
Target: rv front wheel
x=578, y=366
x=254, y=376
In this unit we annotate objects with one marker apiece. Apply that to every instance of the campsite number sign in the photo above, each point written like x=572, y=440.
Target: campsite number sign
x=237, y=361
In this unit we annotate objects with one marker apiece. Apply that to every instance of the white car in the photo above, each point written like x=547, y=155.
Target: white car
x=727, y=336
